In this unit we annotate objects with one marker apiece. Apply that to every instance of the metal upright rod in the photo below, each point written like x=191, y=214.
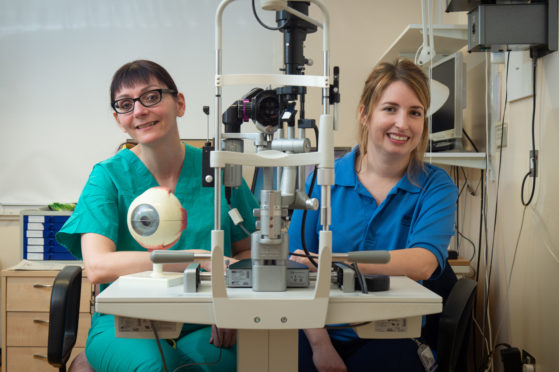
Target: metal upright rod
x=217, y=131
x=326, y=91
x=326, y=53
x=325, y=189
x=217, y=146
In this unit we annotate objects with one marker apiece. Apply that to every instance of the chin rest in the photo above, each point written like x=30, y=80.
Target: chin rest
x=64, y=315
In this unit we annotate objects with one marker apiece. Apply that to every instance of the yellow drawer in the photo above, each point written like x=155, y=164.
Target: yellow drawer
x=33, y=293
x=32, y=359
x=32, y=329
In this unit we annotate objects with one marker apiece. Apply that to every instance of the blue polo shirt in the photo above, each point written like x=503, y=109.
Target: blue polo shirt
x=414, y=214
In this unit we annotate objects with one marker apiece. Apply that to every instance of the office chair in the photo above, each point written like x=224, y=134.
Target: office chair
x=442, y=286
x=448, y=332
x=64, y=316
x=454, y=326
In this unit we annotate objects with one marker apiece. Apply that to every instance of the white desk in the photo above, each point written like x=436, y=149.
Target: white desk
x=274, y=347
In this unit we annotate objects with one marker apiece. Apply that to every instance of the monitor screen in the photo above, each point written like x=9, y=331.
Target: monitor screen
x=446, y=123
x=443, y=119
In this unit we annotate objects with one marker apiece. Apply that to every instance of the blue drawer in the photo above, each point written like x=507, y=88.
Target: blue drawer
x=43, y=226
x=49, y=241
x=38, y=230
x=65, y=256
x=44, y=248
x=48, y=219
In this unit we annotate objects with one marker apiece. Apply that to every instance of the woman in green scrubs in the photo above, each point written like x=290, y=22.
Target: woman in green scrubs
x=146, y=105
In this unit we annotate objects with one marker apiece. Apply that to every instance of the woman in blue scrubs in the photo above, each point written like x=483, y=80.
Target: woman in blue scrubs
x=146, y=105
x=384, y=198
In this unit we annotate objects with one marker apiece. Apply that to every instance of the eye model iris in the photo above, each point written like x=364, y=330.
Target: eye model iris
x=156, y=218
x=145, y=220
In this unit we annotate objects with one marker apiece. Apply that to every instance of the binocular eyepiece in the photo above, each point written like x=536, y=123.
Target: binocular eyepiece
x=262, y=106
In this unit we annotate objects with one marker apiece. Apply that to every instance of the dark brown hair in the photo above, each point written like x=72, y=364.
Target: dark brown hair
x=140, y=71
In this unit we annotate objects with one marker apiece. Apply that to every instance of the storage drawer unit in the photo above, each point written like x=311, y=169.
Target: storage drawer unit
x=33, y=359
x=25, y=316
x=38, y=230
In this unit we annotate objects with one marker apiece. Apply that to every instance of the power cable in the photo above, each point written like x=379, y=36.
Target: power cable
x=533, y=157
x=471, y=242
x=158, y=344
x=206, y=363
x=470, y=140
x=490, y=263
x=509, y=279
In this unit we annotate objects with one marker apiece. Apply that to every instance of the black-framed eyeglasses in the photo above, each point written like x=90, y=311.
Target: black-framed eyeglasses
x=147, y=99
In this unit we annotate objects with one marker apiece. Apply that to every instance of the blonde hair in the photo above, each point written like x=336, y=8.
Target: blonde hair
x=379, y=79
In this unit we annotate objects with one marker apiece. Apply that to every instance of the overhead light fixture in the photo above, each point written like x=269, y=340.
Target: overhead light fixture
x=425, y=55
x=426, y=51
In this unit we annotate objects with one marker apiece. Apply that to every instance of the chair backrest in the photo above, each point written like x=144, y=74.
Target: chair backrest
x=454, y=325
x=64, y=315
x=442, y=286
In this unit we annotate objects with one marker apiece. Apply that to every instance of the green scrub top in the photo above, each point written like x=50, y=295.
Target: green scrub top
x=114, y=183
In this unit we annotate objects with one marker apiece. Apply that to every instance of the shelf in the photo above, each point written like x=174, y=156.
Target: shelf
x=460, y=159
x=461, y=5
x=448, y=39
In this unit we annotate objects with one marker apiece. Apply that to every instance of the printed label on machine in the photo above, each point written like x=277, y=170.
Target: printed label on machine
x=142, y=328
x=391, y=325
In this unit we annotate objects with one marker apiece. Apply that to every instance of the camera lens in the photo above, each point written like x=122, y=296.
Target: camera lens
x=266, y=108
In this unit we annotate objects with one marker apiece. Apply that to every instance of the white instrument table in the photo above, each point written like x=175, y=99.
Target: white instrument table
x=275, y=348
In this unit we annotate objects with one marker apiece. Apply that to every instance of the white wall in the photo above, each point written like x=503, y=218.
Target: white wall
x=529, y=311
x=523, y=305
x=57, y=62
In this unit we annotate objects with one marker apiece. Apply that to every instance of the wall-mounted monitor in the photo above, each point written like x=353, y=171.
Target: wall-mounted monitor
x=445, y=130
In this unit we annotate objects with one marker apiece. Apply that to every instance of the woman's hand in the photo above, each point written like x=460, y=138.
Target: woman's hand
x=305, y=261
x=222, y=337
x=241, y=249
x=327, y=359
x=324, y=355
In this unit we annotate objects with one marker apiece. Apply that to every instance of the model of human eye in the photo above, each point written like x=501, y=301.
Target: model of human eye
x=156, y=219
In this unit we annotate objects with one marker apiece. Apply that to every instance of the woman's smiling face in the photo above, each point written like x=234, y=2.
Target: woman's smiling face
x=395, y=125
x=148, y=124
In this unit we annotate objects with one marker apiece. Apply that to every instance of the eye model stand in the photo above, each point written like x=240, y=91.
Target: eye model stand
x=156, y=221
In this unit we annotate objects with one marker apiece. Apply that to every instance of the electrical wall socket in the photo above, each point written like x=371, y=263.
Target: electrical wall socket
x=528, y=362
x=511, y=359
x=501, y=130
x=534, y=163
